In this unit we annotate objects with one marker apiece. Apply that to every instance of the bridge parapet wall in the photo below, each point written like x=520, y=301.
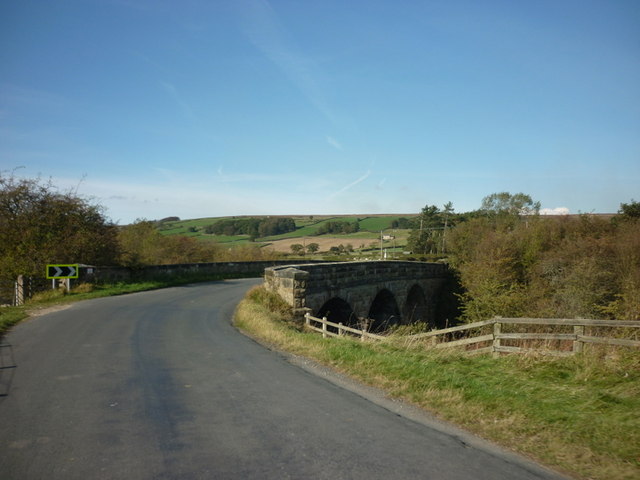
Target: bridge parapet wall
x=307, y=287
x=97, y=274
x=289, y=282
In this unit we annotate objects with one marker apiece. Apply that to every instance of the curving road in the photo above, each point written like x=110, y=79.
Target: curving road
x=159, y=385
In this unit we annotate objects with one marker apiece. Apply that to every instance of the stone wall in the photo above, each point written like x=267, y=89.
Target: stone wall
x=307, y=287
x=94, y=274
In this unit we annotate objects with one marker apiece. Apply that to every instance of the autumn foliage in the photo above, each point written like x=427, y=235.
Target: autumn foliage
x=571, y=266
x=41, y=225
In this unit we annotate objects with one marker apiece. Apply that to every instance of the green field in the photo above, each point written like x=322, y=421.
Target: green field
x=306, y=226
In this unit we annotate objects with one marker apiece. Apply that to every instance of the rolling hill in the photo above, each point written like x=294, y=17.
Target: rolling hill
x=308, y=230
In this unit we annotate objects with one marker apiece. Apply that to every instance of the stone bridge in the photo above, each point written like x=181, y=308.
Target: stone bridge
x=382, y=293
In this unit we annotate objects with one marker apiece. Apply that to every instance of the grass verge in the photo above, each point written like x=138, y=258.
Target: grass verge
x=577, y=414
x=10, y=316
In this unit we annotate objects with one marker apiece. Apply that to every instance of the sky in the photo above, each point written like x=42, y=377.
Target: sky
x=202, y=108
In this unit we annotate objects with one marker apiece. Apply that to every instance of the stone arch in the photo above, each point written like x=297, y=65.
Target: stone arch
x=338, y=310
x=384, y=311
x=416, y=307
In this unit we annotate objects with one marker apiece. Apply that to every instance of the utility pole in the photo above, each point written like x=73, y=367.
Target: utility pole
x=444, y=233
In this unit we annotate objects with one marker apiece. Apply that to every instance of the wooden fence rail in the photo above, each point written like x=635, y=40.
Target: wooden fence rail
x=311, y=321
x=470, y=335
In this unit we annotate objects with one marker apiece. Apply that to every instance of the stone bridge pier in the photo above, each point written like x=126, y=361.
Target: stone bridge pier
x=379, y=294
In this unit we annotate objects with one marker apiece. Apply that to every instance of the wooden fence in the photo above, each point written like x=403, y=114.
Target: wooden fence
x=548, y=342
x=492, y=336
x=339, y=328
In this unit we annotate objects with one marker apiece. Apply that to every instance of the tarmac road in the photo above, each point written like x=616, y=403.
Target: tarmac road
x=160, y=385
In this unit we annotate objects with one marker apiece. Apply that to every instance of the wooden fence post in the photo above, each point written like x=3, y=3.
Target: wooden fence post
x=20, y=291
x=578, y=344
x=497, y=329
x=324, y=327
x=340, y=329
x=307, y=320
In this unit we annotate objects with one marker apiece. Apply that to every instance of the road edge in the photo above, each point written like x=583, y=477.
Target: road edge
x=405, y=409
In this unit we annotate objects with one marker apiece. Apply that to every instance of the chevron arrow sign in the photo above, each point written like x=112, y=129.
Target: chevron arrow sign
x=62, y=271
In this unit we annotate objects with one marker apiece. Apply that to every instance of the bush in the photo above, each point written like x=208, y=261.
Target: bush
x=271, y=301
x=548, y=267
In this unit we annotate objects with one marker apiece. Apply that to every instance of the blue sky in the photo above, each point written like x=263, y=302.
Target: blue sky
x=199, y=108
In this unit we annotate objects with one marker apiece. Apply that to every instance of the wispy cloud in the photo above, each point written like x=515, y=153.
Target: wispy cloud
x=350, y=185
x=175, y=95
x=334, y=143
x=265, y=31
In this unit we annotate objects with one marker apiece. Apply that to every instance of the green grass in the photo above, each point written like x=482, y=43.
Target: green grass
x=577, y=414
x=9, y=316
x=228, y=240
x=376, y=224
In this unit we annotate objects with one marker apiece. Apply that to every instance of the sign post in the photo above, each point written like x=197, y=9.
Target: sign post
x=58, y=272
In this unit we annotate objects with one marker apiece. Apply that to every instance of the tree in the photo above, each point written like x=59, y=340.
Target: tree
x=41, y=225
x=448, y=211
x=630, y=210
x=400, y=223
x=297, y=248
x=505, y=203
x=313, y=247
x=141, y=244
x=422, y=239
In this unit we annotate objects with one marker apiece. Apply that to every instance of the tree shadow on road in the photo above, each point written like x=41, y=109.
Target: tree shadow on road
x=7, y=369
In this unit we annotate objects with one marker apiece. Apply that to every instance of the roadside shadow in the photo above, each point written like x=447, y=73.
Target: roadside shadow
x=7, y=369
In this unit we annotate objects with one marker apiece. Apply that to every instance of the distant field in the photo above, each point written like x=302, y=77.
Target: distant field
x=305, y=233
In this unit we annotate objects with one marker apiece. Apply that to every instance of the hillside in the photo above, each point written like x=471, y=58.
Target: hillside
x=308, y=229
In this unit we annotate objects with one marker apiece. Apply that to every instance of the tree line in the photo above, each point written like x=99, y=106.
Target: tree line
x=338, y=226
x=253, y=227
